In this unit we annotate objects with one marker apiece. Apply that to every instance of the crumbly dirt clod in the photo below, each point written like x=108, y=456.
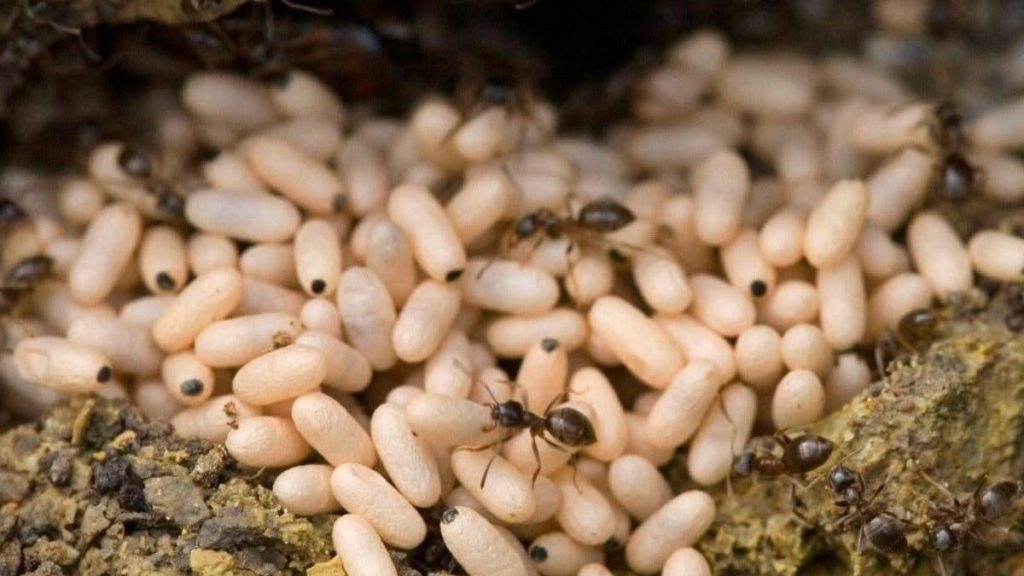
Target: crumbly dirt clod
x=93, y=489
x=954, y=411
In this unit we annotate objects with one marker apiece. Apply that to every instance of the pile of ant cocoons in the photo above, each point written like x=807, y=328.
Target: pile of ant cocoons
x=329, y=295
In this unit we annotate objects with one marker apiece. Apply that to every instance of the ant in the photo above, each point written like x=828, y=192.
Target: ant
x=954, y=523
x=595, y=219
x=958, y=178
x=570, y=427
x=137, y=165
x=913, y=332
x=880, y=530
x=800, y=455
x=20, y=280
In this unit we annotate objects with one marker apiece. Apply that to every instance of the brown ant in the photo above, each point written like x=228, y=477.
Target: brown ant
x=19, y=282
x=570, y=427
x=913, y=333
x=800, y=455
x=954, y=523
x=880, y=530
x=958, y=178
x=595, y=219
x=137, y=165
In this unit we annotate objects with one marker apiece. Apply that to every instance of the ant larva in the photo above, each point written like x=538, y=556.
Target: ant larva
x=567, y=425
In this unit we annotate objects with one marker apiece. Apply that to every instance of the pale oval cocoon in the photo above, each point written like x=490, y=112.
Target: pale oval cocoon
x=793, y=302
x=187, y=379
x=850, y=377
x=361, y=549
x=208, y=252
x=478, y=545
x=163, y=260
x=843, y=304
x=368, y=315
x=213, y=419
x=273, y=263
x=279, y=375
x=759, y=356
x=207, y=299
x=408, y=461
x=585, y=514
x=769, y=86
x=266, y=442
x=835, y=223
x=781, y=238
x=721, y=184
x=799, y=400
x=61, y=364
x=678, y=524
x=804, y=347
x=678, y=411
x=306, y=490
x=720, y=306
x=425, y=320
x=479, y=204
x=893, y=299
x=235, y=341
x=321, y=315
x=686, y=562
x=998, y=255
x=745, y=267
x=508, y=287
x=543, y=372
x=362, y=491
x=512, y=336
x=243, y=216
x=723, y=433
x=637, y=484
x=507, y=493
x=662, y=282
x=450, y=421
x=129, y=347
x=389, y=256
x=1000, y=126
x=897, y=187
x=106, y=250
x=556, y=554
x=329, y=428
x=445, y=372
x=590, y=385
x=317, y=257
x=698, y=341
x=303, y=95
x=435, y=243
x=641, y=344
x=939, y=255
x=298, y=176
x=228, y=98
x=365, y=175
x=347, y=369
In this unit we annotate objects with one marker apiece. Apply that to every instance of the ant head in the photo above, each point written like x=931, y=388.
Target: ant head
x=806, y=452
x=10, y=212
x=947, y=114
x=744, y=464
x=842, y=478
x=527, y=225
x=509, y=414
x=944, y=539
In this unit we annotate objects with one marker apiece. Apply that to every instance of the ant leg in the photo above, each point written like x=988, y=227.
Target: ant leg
x=311, y=9
x=487, y=470
x=536, y=458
